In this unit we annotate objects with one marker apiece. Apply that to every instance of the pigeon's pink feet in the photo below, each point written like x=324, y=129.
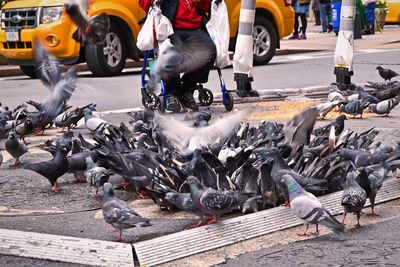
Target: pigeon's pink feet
x=17, y=163
x=143, y=194
x=200, y=223
x=114, y=231
x=286, y=204
x=212, y=221
x=373, y=214
x=55, y=189
x=118, y=239
x=303, y=234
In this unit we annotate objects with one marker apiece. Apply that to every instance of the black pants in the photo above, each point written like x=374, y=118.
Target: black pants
x=303, y=17
x=177, y=85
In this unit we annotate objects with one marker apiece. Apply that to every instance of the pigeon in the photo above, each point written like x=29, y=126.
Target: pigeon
x=52, y=169
x=366, y=97
x=96, y=176
x=1, y=158
x=353, y=197
x=298, y=130
x=384, y=107
x=15, y=148
x=355, y=107
x=362, y=158
x=183, y=201
x=338, y=125
x=94, y=123
x=386, y=74
x=62, y=85
x=252, y=205
x=211, y=201
x=183, y=57
x=119, y=214
x=65, y=141
x=327, y=107
x=91, y=30
x=187, y=139
x=24, y=129
x=387, y=93
x=308, y=208
x=337, y=96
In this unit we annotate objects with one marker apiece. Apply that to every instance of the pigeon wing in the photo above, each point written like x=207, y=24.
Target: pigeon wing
x=214, y=200
x=47, y=67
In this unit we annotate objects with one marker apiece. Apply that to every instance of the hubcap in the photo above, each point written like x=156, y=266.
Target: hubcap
x=261, y=41
x=112, y=49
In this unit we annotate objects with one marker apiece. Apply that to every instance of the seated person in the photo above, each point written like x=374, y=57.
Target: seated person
x=187, y=20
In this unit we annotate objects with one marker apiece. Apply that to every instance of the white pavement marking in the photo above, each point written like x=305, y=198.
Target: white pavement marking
x=65, y=249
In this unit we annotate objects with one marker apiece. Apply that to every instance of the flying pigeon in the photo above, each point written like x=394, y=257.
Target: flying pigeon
x=308, y=208
x=386, y=74
x=91, y=30
x=182, y=57
x=15, y=148
x=96, y=176
x=353, y=197
x=61, y=85
x=119, y=214
x=52, y=169
x=384, y=107
x=213, y=202
x=187, y=139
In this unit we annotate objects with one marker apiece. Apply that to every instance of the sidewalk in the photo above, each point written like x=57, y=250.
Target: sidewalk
x=389, y=39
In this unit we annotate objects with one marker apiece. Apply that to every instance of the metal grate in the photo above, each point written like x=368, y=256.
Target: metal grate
x=17, y=45
x=22, y=18
x=65, y=248
x=186, y=243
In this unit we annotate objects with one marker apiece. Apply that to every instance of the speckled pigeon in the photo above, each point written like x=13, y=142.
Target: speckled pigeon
x=96, y=176
x=15, y=148
x=119, y=214
x=353, y=197
x=213, y=202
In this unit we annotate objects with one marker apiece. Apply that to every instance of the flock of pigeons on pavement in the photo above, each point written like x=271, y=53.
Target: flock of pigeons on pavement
x=206, y=166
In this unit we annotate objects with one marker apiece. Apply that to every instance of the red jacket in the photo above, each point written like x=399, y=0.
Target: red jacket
x=185, y=16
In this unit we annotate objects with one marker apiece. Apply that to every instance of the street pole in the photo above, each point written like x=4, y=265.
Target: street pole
x=243, y=58
x=344, y=51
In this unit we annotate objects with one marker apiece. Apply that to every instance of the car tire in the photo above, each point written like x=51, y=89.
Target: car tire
x=265, y=40
x=29, y=71
x=109, y=58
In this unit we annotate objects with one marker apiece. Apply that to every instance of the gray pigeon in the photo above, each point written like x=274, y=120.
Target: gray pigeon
x=213, y=202
x=183, y=201
x=353, y=198
x=119, y=214
x=386, y=74
x=15, y=148
x=325, y=108
x=308, y=208
x=384, y=107
x=52, y=169
x=91, y=30
x=298, y=130
x=96, y=176
x=94, y=123
x=355, y=107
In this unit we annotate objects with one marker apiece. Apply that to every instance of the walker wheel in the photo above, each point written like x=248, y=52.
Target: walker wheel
x=229, y=101
x=161, y=104
x=150, y=100
x=206, y=97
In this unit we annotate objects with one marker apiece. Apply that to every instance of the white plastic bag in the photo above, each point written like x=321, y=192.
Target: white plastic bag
x=218, y=28
x=154, y=21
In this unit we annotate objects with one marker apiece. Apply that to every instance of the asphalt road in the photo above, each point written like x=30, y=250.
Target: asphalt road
x=372, y=245
x=290, y=71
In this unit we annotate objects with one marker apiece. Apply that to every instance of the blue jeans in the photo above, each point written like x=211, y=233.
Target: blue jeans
x=370, y=13
x=325, y=11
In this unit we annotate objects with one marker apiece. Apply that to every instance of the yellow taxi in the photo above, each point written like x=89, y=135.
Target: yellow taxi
x=393, y=15
x=22, y=21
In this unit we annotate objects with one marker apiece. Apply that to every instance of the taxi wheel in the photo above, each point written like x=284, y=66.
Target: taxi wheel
x=264, y=40
x=29, y=71
x=109, y=58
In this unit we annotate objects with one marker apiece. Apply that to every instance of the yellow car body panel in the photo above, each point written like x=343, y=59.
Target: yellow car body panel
x=393, y=15
x=283, y=15
x=57, y=36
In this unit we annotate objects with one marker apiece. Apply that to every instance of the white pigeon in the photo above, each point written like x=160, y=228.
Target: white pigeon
x=94, y=123
x=325, y=108
x=308, y=208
